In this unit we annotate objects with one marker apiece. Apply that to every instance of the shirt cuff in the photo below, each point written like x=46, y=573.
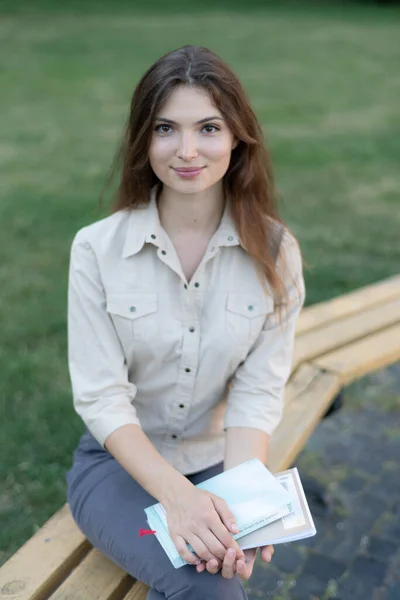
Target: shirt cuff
x=255, y=411
x=107, y=419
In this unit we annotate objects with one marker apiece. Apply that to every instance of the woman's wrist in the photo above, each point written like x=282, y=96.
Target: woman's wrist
x=173, y=488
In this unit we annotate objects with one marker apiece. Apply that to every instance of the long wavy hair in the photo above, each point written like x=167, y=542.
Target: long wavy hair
x=248, y=181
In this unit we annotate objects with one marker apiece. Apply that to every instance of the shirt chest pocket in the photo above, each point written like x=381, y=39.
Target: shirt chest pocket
x=135, y=316
x=245, y=317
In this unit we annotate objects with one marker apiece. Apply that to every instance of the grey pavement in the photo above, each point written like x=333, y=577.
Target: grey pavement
x=350, y=469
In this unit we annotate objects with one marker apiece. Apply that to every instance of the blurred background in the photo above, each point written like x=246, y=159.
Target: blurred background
x=324, y=80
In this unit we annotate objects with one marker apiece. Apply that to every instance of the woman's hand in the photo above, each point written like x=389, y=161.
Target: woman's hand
x=243, y=567
x=204, y=521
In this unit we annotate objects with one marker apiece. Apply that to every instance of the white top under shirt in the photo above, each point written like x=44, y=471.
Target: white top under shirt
x=184, y=361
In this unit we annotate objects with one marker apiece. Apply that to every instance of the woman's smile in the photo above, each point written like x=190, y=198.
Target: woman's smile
x=188, y=172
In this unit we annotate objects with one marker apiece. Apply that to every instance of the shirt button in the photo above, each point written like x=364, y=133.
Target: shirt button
x=187, y=370
x=230, y=238
x=191, y=329
x=185, y=286
x=174, y=436
x=153, y=237
x=213, y=249
x=251, y=307
x=181, y=406
x=163, y=252
x=132, y=308
x=196, y=284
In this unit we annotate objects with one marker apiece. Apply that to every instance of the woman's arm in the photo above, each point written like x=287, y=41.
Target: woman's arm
x=131, y=447
x=244, y=443
x=193, y=515
x=255, y=399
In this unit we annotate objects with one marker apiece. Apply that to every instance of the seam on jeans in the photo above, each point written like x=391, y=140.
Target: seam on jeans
x=185, y=589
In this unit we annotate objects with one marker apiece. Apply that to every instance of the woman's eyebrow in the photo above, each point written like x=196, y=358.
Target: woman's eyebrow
x=213, y=118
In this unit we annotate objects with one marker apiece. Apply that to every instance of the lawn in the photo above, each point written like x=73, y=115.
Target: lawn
x=325, y=83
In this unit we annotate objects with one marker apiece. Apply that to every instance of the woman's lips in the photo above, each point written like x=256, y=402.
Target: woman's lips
x=188, y=172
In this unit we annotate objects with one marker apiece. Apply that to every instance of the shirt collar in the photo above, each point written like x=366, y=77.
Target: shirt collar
x=226, y=234
x=144, y=227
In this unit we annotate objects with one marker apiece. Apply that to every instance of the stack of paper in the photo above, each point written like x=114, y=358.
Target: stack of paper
x=268, y=509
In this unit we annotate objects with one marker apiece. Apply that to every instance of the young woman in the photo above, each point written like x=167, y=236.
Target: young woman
x=181, y=316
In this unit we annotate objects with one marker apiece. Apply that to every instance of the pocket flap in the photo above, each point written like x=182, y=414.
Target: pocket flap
x=247, y=305
x=132, y=305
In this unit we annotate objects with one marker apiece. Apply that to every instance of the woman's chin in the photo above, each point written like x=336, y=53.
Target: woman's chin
x=187, y=186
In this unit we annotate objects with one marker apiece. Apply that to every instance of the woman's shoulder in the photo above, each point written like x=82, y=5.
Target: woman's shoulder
x=101, y=233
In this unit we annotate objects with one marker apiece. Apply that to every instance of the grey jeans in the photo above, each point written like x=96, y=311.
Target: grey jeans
x=108, y=506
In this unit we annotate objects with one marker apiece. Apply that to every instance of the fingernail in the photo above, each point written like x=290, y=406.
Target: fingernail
x=231, y=552
x=268, y=556
x=235, y=528
x=213, y=564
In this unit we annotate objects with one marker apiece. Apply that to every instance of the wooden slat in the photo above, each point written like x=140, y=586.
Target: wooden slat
x=96, y=578
x=343, y=331
x=365, y=356
x=300, y=381
x=38, y=567
x=348, y=304
x=138, y=592
x=299, y=420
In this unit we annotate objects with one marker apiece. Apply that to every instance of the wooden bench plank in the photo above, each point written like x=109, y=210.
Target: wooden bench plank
x=39, y=566
x=300, y=381
x=345, y=330
x=300, y=418
x=364, y=356
x=95, y=578
x=348, y=304
x=138, y=592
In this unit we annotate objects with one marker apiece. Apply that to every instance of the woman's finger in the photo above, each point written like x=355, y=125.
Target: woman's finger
x=267, y=553
x=228, y=566
x=184, y=551
x=226, y=539
x=225, y=514
x=201, y=549
x=201, y=567
x=214, y=546
x=243, y=571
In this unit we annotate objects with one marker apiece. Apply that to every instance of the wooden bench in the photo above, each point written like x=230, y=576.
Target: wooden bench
x=337, y=342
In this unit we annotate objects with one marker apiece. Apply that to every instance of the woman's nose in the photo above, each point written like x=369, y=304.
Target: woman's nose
x=187, y=149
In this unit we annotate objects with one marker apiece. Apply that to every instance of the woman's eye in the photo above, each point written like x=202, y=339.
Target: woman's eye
x=163, y=128
x=210, y=128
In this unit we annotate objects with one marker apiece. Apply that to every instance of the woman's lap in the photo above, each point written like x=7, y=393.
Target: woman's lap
x=108, y=506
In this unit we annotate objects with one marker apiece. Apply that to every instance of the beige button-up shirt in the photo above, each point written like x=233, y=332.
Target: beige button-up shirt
x=183, y=360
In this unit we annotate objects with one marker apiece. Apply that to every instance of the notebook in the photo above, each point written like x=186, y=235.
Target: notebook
x=296, y=525
x=254, y=495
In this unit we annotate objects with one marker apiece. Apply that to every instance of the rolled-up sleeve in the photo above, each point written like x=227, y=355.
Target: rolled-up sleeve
x=255, y=397
x=102, y=394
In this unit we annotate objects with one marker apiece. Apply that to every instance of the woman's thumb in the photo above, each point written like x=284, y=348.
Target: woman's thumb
x=225, y=514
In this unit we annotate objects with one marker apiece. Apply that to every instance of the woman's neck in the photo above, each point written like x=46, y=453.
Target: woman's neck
x=191, y=213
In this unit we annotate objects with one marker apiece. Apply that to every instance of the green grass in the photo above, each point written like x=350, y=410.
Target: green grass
x=324, y=81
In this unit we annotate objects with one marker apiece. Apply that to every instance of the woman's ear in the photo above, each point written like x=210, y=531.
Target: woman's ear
x=235, y=143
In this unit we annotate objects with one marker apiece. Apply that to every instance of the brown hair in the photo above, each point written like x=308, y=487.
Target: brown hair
x=248, y=181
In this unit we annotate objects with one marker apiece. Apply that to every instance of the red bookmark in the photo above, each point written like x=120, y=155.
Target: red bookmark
x=143, y=532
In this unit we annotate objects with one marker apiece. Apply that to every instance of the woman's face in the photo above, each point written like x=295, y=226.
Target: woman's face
x=191, y=143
